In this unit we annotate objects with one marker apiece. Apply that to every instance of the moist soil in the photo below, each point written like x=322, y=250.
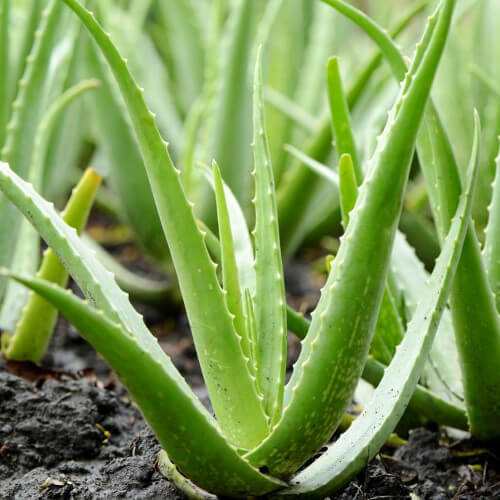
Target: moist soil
x=69, y=430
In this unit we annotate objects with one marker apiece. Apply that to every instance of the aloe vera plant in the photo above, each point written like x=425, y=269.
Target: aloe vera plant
x=39, y=104
x=476, y=281
x=264, y=430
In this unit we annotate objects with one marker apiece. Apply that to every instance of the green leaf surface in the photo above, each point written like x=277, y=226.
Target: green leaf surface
x=230, y=281
x=298, y=182
x=21, y=130
x=269, y=299
x=231, y=389
x=336, y=347
x=473, y=303
x=341, y=121
x=491, y=249
x=175, y=415
x=350, y=453
x=119, y=145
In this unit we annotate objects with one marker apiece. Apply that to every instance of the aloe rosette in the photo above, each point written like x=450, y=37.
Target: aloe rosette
x=264, y=429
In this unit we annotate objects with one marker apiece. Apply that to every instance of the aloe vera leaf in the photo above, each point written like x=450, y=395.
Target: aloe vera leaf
x=287, y=24
x=119, y=145
x=485, y=52
x=491, y=251
x=186, y=48
x=341, y=121
x=26, y=256
x=473, y=303
x=34, y=329
x=177, y=418
x=344, y=320
x=192, y=130
x=299, y=183
x=149, y=71
x=424, y=402
x=4, y=63
x=389, y=330
x=269, y=300
x=231, y=131
x=230, y=281
x=139, y=288
x=27, y=41
x=409, y=274
x=168, y=470
x=251, y=329
x=21, y=130
x=391, y=53
x=233, y=394
x=243, y=247
x=347, y=186
x=350, y=453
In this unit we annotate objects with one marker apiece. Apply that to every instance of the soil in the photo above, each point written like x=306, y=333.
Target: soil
x=69, y=430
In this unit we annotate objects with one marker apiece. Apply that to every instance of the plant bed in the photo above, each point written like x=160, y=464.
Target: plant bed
x=54, y=443
x=78, y=435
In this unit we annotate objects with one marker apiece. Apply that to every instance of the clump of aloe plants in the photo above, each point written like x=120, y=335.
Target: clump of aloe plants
x=264, y=430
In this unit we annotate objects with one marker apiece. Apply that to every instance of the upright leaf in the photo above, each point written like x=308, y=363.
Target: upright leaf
x=269, y=300
x=336, y=347
x=359, y=444
x=492, y=243
x=231, y=389
x=178, y=419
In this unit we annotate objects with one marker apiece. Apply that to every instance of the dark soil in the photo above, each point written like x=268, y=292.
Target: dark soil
x=75, y=433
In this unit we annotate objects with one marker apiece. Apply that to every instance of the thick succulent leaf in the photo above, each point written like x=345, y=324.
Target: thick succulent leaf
x=492, y=243
x=341, y=121
x=348, y=186
x=175, y=415
x=4, y=63
x=232, y=391
x=120, y=148
x=389, y=329
x=423, y=402
x=230, y=281
x=26, y=256
x=336, y=347
x=139, y=288
x=299, y=183
x=359, y=444
x=443, y=375
x=21, y=130
x=269, y=299
x=231, y=132
x=243, y=247
x=36, y=324
x=473, y=303
x=185, y=38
